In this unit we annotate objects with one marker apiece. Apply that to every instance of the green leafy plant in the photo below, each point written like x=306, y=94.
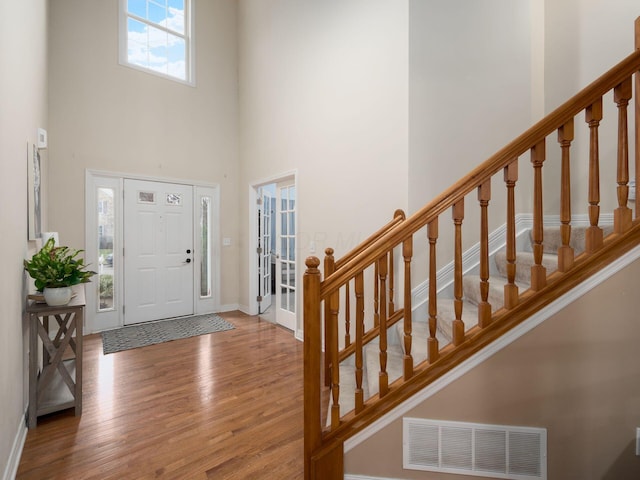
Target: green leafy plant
x=53, y=267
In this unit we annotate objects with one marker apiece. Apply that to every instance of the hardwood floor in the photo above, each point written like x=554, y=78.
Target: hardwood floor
x=227, y=405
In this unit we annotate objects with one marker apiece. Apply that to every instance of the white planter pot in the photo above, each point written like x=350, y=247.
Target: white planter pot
x=57, y=296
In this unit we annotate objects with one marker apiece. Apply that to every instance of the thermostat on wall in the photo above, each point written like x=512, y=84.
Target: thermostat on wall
x=42, y=138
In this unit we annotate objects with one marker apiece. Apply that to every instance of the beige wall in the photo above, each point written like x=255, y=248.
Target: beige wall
x=575, y=375
x=106, y=116
x=23, y=108
x=324, y=91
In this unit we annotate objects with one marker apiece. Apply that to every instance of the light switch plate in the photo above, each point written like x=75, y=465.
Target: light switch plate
x=226, y=241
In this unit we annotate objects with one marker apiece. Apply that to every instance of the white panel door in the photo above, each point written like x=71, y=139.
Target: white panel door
x=286, y=288
x=158, y=250
x=265, y=219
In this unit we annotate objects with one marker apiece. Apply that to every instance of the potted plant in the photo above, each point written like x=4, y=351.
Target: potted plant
x=55, y=270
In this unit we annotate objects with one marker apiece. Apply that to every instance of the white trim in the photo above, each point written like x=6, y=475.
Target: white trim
x=189, y=38
x=230, y=307
x=114, y=318
x=208, y=304
x=252, y=308
x=348, y=476
x=511, y=336
x=95, y=320
x=11, y=469
x=151, y=178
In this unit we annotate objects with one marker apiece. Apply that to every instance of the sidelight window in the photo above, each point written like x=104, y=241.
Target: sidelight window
x=106, y=233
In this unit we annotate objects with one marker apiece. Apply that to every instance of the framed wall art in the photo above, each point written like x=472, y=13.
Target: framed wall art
x=34, y=200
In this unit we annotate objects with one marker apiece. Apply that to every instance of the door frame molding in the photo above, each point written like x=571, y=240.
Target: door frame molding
x=253, y=245
x=96, y=321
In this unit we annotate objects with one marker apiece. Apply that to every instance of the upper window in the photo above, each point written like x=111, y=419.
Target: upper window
x=156, y=35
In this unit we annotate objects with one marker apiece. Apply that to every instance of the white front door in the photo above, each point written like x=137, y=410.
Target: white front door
x=286, y=288
x=158, y=266
x=264, y=250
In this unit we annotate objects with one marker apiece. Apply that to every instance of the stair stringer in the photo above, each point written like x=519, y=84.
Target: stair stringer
x=508, y=338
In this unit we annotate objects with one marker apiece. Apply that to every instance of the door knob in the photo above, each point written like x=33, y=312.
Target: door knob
x=188, y=260
x=188, y=250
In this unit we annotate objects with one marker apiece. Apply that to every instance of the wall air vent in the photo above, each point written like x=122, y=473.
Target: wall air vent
x=518, y=453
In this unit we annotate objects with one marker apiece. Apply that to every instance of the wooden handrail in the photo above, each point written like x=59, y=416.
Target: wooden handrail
x=534, y=135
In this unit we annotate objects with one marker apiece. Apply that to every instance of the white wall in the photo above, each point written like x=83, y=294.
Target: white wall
x=583, y=39
x=324, y=91
x=23, y=108
x=109, y=117
x=470, y=87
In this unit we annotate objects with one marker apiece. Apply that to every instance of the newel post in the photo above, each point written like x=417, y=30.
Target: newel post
x=312, y=362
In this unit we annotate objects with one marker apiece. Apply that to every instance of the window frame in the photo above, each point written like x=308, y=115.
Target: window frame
x=189, y=38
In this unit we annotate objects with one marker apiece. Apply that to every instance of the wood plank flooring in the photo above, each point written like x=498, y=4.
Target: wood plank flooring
x=227, y=405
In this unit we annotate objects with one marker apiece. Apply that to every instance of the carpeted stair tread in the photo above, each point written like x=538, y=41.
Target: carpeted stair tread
x=444, y=334
x=552, y=238
x=347, y=389
x=395, y=357
x=471, y=288
x=524, y=262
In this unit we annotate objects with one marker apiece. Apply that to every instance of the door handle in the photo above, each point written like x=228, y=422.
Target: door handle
x=188, y=260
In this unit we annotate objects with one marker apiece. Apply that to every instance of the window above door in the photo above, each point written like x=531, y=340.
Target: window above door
x=156, y=36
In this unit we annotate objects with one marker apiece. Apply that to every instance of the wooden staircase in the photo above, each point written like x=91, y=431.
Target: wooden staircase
x=365, y=297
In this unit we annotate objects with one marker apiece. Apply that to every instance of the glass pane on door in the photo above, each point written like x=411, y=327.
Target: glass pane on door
x=287, y=249
x=106, y=231
x=205, y=246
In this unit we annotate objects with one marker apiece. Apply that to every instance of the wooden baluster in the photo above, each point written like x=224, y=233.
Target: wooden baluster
x=457, y=212
x=511, y=295
x=347, y=315
x=622, y=214
x=334, y=302
x=392, y=306
x=538, y=271
x=383, y=378
x=484, y=307
x=637, y=121
x=594, y=235
x=359, y=393
x=329, y=268
x=376, y=296
x=407, y=253
x=565, y=251
x=433, y=351
x=312, y=361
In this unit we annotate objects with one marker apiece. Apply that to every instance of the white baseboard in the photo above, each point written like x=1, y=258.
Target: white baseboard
x=366, y=477
x=493, y=348
x=11, y=468
x=230, y=307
